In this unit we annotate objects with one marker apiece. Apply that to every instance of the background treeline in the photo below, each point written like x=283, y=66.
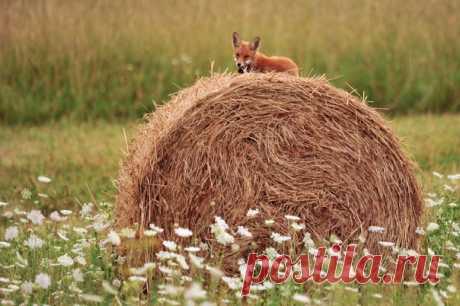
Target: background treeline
x=111, y=58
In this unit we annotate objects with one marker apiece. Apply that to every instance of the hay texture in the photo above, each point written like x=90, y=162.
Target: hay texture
x=276, y=143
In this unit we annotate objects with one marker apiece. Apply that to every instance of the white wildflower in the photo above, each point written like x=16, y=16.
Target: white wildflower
x=170, y=245
x=116, y=283
x=195, y=292
x=3, y=204
x=297, y=227
x=34, y=242
x=86, y=209
x=150, y=233
x=224, y=238
x=128, y=233
x=192, y=249
x=26, y=194
x=165, y=270
x=44, y=179
x=233, y=283
x=113, y=238
x=252, y=212
x=80, y=230
x=183, y=232
x=100, y=223
x=182, y=262
x=215, y=272
x=436, y=297
x=196, y=261
x=301, y=298
x=136, y=278
x=4, y=245
x=386, y=243
x=80, y=260
x=8, y=214
x=77, y=275
x=376, y=229
x=351, y=289
x=65, y=260
x=420, y=231
x=149, y=266
x=278, y=238
x=11, y=233
x=170, y=290
x=62, y=235
x=292, y=218
x=91, y=298
x=221, y=223
x=35, y=216
x=162, y=255
x=244, y=232
x=271, y=253
x=43, y=280
x=308, y=241
x=437, y=174
x=235, y=247
x=26, y=288
x=219, y=230
x=108, y=288
x=155, y=228
x=431, y=227
x=55, y=216
x=432, y=203
x=454, y=176
x=65, y=212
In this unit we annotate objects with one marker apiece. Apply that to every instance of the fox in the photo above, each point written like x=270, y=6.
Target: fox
x=249, y=59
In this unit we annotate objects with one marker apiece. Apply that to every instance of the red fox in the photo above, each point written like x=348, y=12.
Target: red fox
x=248, y=59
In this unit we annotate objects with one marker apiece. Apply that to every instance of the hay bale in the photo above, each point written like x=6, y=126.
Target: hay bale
x=282, y=144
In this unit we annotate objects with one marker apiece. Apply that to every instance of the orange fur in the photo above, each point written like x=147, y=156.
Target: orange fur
x=265, y=63
x=248, y=59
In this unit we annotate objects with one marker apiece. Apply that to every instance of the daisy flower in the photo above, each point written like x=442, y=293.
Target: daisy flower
x=183, y=232
x=43, y=280
x=44, y=179
x=35, y=216
x=11, y=233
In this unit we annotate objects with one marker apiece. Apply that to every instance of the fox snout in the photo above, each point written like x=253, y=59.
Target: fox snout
x=243, y=67
x=240, y=67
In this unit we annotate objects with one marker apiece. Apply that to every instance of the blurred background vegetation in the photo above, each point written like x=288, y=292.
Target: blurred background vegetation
x=112, y=59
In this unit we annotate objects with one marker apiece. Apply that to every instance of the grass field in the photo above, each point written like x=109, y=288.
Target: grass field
x=82, y=161
x=76, y=76
x=110, y=59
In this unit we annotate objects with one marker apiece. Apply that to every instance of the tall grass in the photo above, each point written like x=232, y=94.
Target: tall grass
x=112, y=58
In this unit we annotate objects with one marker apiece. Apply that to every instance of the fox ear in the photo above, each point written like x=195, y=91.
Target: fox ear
x=236, y=39
x=255, y=44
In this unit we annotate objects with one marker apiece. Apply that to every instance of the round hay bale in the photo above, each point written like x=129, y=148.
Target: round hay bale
x=276, y=143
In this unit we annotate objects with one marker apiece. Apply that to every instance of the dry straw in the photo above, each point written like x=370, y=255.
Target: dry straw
x=283, y=145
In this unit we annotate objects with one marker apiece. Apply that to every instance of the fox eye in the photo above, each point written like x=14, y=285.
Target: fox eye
x=237, y=55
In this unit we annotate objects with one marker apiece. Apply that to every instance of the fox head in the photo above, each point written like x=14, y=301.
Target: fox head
x=244, y=52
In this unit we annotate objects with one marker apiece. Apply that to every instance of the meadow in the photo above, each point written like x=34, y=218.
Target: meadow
x=76, y=78
x=113, y=59
x=57, y=186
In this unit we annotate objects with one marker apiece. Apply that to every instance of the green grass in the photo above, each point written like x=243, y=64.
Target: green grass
x=110, y=59
x=82, y=160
